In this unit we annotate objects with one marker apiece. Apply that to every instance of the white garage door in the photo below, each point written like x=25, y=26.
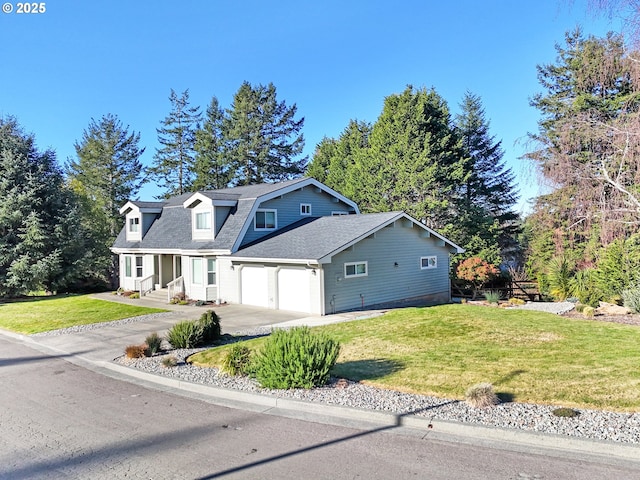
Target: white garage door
x=254, y=286
x=294, y=291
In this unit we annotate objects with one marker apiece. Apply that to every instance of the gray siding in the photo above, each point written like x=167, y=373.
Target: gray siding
x=288, y=207
x=385, y=282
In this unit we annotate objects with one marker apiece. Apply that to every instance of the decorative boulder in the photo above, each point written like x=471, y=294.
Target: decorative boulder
x=612, y=309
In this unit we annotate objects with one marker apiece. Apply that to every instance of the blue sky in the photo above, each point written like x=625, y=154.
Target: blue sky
x=336, y=60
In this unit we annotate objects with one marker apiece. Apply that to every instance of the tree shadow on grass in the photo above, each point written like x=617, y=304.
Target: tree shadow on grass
x=369, y=369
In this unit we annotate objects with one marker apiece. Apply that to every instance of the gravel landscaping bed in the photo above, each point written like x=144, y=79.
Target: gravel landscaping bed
x=96, y=326
x=594, y=424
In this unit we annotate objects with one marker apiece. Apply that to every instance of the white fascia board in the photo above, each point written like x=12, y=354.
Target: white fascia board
x=167, y=251
x=300, y=261
x=128, y=207
x=196, y=197
x=283, y=191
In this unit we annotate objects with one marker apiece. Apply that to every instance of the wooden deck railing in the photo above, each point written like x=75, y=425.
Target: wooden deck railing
x=145, y=285
x=175, y=287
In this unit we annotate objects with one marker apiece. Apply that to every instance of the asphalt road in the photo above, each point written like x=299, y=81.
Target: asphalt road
x=59, y=420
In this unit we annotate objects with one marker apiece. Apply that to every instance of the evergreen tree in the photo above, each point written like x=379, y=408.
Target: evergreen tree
x=262, y=137
x=108, y=167
x=173, y=163
x=488, y=195
x=106, y=173
x=415, y=160
x=41, y=238
x=212, y=169
x=333, y=159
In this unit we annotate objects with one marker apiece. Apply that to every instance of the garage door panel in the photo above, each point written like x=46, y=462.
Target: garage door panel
x=294, y=290
x=255, y=286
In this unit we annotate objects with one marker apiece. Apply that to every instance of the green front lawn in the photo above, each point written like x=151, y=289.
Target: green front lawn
x=41, y=314
x=528, y=356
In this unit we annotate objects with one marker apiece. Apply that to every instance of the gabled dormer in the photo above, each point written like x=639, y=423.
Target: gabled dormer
x=208, y=213
x=139, y=216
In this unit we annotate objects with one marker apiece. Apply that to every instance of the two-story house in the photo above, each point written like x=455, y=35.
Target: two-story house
x=296, y=245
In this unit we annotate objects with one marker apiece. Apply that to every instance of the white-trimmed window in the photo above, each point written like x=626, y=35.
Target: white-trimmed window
x=428, y=262
x=134, y=224
x=129, y=264
x=139, y=266
x=211, y=271
x=196, y=271
x=266, y=220
x=203, y=221
x=339, y=213
x=355, y=269
x=305, y=209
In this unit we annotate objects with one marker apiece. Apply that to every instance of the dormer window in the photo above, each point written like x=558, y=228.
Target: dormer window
x=266, y=220
x=134, y=224
x=203, y=221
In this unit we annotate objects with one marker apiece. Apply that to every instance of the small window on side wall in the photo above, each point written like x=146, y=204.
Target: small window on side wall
x=203, y=221
x=265, y=220
x=355, y=269
x=305, y=209
x=428, y=262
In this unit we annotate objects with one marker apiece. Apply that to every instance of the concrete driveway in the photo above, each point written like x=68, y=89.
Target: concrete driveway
x=104, y=342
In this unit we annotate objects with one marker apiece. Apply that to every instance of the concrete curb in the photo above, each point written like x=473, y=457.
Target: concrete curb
x=427, y=427
x=424, y=427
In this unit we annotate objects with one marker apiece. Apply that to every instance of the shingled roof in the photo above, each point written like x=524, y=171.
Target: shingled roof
x=313, y=239
x=172, y=229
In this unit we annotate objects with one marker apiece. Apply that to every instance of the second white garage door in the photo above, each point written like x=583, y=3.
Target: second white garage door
x=294, y=290
x=254, y=286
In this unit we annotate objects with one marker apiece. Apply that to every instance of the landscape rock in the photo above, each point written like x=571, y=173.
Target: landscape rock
x=612, y=309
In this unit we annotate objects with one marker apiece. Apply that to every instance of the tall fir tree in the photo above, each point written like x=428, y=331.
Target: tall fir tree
x=42, y=244
x=415, y=159
x=173, y=164
x=106, y=173
x=333, y=159
x=212, y=168
x=262, y=136
x=487, y=198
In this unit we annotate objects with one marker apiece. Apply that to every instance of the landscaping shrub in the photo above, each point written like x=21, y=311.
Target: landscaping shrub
x=580, y=307
x=209, y=323
x=631, y=298
x=477, y=272
x=185, y=334
x=481, y=396
x=296, y=358
x=169, y=361
x=135, y=351
x=588, y=311
x=560, y=275
x=565, y=412
x=135, y=295
x=154, y=342
x=492, y=296
x=238, y=360
x=517, y=301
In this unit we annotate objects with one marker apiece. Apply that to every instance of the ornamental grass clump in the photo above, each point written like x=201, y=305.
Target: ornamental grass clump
x=631, y=298
x=296, y=358
x=565, y=412
x=237, y=360
x=135, y=351
x=481, y=396
x=154, y=342
x=185, y=334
